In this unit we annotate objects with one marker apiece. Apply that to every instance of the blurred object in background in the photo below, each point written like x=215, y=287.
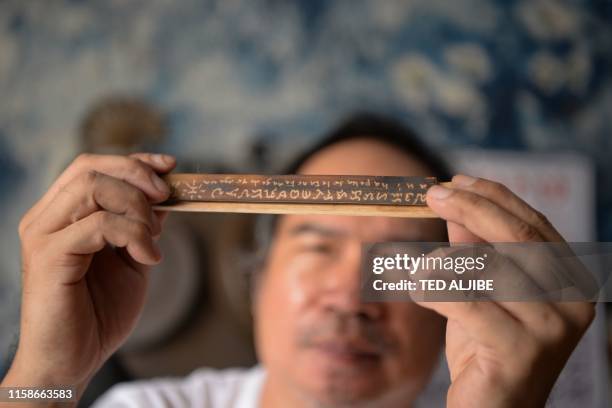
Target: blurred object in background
x=175, y=285
x=560, y=185
x=121, y=125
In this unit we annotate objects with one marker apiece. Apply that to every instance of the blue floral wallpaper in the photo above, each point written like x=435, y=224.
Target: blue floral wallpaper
x=533, y=75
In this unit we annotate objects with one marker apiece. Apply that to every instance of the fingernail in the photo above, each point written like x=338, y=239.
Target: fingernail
x=163, y=159
x=439, y=192
x=160, y=184
x=464, y=181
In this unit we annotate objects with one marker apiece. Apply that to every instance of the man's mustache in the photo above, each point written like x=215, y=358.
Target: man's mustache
x=352, y=329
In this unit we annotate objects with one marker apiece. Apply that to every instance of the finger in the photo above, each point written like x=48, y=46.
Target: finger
x=509, y=282
x=457, y=233
x=483, y=318
x=92, y=192
x=578, y=314
x=505, y=198
x=486, y=322
x=544, y=320
x=479, y=215
x=131, y=170
x=102, y=228
x=161, y=163
x=541, y=278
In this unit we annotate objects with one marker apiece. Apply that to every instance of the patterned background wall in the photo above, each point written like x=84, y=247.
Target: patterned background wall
x=533, y=75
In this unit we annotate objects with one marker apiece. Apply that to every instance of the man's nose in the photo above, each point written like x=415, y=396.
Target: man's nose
x=341, y=288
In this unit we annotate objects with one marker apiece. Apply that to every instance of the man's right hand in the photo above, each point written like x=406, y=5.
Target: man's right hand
x=86, y=247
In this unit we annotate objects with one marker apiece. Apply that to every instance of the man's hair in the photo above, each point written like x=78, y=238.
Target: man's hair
x=370, y=125
x=383, y=129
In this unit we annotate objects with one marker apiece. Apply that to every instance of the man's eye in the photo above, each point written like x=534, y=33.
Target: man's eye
x=317, y=248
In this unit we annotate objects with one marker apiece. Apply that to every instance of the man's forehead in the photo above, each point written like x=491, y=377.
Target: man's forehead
x=365, y=228
x=364, y=156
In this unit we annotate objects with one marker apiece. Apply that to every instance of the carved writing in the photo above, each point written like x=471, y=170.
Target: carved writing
x=379, y=190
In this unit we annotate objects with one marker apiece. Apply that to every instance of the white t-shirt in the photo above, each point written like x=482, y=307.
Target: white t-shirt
x=205, y=387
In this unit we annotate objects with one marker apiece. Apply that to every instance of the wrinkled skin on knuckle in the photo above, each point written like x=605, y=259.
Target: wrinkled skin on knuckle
x=540, y=220
x=525, y=232
x=90, y=177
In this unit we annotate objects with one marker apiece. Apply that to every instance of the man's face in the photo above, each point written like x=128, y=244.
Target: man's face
x=315, y=337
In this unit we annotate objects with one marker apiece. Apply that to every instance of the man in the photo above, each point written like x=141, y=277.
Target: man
x=88, y=242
